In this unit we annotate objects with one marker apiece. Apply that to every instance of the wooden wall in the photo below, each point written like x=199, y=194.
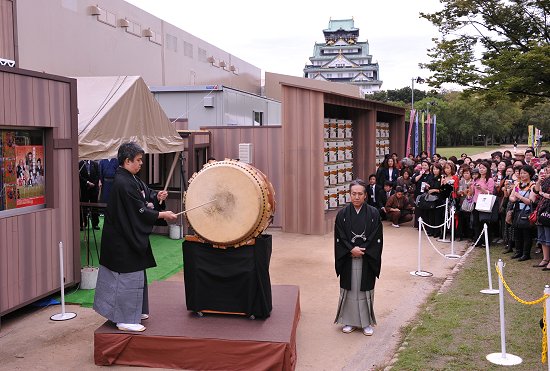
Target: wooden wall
x=267, y=155
x=7, y=30
x=29, y=242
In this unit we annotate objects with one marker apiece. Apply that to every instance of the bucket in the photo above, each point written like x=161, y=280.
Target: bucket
x=88, y=278
x=175, y=232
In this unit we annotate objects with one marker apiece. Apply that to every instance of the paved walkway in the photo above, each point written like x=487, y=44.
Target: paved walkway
x=30, y=341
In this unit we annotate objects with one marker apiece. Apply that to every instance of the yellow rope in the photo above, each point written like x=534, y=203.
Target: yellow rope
x=544, y=343
x=544, y=352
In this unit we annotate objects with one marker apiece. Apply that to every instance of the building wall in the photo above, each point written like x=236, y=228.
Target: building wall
x=7, y=28
x=229, y=107
x=29, y=241
x=47, y=29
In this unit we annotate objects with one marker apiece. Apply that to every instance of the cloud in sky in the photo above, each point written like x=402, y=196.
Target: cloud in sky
x=279, y=36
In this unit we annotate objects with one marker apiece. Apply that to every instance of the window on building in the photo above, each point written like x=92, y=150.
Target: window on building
x=22, y=164
x=171, y=42
x=340, y=75
x=188, y=49
x=258, y=118
x=202, y=55
x=329, y=75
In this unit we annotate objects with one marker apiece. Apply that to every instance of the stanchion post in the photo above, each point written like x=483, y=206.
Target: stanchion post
x=445, y=221
x=452, y=255
x=490, y=290
x=420, y=272
x=502, y=358
x=63, y=315
x=547, y=307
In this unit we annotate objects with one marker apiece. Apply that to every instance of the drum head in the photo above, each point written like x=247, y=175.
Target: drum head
x=238, y=207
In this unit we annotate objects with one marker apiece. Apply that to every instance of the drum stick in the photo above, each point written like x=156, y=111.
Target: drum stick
x=196, y=207
x=176, y=158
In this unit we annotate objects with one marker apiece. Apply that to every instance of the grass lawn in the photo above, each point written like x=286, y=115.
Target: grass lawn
x=457, y=151
x=459, y=327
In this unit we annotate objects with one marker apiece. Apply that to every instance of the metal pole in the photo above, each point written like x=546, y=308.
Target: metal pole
x=502, y=358
x=490, y=290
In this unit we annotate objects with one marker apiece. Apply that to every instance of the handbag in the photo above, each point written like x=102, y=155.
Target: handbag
x=426, y=201
x=467, y=204
x=492, y=216
x=485, y=202
x=521, y=220
x=509, y=217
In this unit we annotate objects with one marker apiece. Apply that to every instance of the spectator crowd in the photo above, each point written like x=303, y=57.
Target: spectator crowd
x=419, y=187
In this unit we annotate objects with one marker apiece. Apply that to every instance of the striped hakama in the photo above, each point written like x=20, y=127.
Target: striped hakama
x=121, y=297
x=355, y=307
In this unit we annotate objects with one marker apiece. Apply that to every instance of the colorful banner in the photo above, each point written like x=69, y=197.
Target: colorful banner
x=434, y=135
x=416, y=135
x=409, y=137
x=428, y=135
x=423, y=136
x=530, y=136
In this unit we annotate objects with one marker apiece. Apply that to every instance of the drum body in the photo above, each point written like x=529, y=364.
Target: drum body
x=243, y=208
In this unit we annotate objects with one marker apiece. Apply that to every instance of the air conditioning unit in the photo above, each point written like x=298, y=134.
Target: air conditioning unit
x=245, y=152
x=147, y=33
x=222, y=63
x=124, y=23
x=94, y=10
x=232, y=68
x=208, y=101
x=210, y=59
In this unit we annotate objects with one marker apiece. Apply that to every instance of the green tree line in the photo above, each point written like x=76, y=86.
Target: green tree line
x=464, y=118
x=498, y=52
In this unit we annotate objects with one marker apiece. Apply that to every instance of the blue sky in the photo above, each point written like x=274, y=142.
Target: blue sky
x=278, y=36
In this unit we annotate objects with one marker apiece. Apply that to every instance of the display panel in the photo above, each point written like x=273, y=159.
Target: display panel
x=22, y=165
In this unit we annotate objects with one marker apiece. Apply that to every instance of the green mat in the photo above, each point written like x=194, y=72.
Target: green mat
x=167, y=252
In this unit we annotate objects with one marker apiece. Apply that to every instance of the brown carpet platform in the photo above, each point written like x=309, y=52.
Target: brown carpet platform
x=179, y=339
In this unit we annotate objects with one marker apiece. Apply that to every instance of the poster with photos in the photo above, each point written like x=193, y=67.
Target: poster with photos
x=30, y=175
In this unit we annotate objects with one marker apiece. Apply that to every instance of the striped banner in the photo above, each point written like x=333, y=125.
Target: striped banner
x=434, y=134
x=428, y=136
x=409, y=137
x=416, y=135
x=423, y=136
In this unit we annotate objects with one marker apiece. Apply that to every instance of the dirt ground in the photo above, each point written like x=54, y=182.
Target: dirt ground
x=29, y=340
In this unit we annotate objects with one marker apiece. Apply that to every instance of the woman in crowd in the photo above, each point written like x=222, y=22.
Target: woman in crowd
x=405, y=182
x=507, y=155
x=542, y=186
x=466, y=202
x=436, y=215
x=484, y=185
x=420, y=180
x=507, y=208
x=389, y=173
x=523, y=198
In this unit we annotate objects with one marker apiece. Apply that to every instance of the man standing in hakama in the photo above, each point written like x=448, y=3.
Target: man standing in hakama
x=358, y=245
x=133, y=208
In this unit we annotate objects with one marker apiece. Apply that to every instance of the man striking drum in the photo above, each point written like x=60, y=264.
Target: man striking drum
x=358, y=257
x=121, y=290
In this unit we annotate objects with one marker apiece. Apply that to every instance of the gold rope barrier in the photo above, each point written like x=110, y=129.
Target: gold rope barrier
x=544, y=352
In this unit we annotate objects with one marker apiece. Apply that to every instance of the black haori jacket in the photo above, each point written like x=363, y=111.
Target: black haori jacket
x=372, y=260
x=128, y=223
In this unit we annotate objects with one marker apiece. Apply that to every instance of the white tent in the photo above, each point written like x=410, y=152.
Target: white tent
x=117, y=109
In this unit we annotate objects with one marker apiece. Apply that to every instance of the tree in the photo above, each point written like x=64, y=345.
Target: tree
x=500, y=47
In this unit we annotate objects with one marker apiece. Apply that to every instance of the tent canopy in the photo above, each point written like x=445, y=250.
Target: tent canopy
x=117, y=109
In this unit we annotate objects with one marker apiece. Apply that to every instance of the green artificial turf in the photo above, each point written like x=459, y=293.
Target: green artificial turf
x=167, y=252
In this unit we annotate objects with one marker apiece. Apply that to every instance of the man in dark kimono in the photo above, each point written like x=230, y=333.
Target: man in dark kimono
x=121, y=289
x=358, y=257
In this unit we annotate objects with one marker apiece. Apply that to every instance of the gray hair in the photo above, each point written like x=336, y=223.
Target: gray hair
x=359, y=182
x=128, y=150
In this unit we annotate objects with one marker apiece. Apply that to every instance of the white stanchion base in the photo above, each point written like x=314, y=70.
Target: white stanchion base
x=421, y=274
x=443, y=240
x=452, y=256
x=63, y=316
x=504, y=359
x=489, y=291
